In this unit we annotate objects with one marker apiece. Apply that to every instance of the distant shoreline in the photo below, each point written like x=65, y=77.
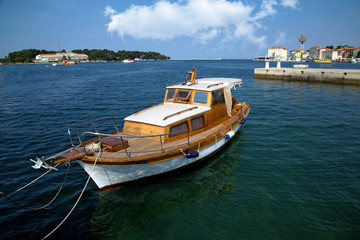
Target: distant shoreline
x=177, y=59
x=188, y=59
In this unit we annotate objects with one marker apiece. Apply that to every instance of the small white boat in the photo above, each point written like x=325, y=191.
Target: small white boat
x=127, y=61
x=196, y=119
x=58, y=64
x=353, y=60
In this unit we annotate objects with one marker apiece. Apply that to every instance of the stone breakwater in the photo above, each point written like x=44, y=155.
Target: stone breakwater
x=301, y=73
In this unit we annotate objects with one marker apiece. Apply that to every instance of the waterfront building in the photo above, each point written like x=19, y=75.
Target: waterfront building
x=277, y=52
x=54, y=57
x=347, y=52
x=332, y=54
x=317, y=52
x=296, y=55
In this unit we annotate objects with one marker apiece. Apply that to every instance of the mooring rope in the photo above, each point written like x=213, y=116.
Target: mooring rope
x=43, y=207
x=77, y=201
x=18, y=190
x=57, y=192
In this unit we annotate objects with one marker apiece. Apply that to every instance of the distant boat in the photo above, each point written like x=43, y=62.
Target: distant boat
x=65, y=62
x=127, y=61
x=325, y=60
x=353, y=60
x=70, y=62
x=58, y=64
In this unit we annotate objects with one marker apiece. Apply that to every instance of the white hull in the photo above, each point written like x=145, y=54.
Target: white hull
x=107, y=175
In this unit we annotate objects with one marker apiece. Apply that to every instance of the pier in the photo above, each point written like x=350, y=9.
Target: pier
x=305, y=74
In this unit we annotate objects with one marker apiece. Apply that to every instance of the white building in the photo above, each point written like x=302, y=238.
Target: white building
x=53, y=57
x=317, y=52
x=296, y=55
x=332, y=54
x=277, y=52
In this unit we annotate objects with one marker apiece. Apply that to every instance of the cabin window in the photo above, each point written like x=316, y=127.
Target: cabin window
x=170, y=94
x=218, y=97
x=179, y=129
x=183, y=95
x=197, y=122
x=200, y=97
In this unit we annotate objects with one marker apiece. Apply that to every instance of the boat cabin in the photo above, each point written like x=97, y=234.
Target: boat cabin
x=188, y=108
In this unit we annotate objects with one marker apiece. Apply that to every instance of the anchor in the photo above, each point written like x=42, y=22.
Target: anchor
x=41, y=163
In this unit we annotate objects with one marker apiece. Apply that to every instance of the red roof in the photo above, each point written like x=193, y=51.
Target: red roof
x=278, y=47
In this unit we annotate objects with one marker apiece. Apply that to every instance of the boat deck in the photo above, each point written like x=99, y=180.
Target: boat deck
x=139, y=147
x=142, y=149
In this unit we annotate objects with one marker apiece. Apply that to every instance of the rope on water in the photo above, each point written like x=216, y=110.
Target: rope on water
x=43, y=207
x=77, y=201
x=57, y=192
x=18, y=190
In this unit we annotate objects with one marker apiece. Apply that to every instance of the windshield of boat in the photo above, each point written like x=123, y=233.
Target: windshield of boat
x=185, y=96
x=200, y=97
x=178, y=95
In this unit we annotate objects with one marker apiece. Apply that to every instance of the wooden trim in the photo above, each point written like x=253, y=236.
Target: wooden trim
x=73, y=154
x=177, y=113
x=213, y=85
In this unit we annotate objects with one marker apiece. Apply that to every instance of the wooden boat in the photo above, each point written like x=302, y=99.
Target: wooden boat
x=196, y=119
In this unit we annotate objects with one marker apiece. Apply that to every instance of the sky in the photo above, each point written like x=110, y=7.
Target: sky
x=227, y=29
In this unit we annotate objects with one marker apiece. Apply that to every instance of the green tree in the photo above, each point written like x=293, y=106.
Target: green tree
x=28, y=55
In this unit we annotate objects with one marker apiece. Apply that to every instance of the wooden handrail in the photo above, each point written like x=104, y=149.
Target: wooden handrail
x=213, y=85
x=182, y=111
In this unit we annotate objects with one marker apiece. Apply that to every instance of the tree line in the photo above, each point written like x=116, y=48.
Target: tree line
x=28, y=55
x=339, y=46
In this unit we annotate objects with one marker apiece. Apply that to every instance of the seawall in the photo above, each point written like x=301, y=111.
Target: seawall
x=338, y=76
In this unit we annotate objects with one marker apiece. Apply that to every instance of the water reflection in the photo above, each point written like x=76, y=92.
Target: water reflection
x=129, y=211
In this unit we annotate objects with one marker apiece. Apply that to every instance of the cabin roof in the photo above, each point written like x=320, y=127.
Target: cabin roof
x=209, y=84
x=166, y=114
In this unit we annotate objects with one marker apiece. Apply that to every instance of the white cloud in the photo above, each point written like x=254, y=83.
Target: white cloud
x=267, y=9
x=109, y=11
x=207, y=35
x=289, y=3
x=202, y=20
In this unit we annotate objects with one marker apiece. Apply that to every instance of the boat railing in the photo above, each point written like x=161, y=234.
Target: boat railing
x=121, y=137
x=93, y=124
x=206, y=140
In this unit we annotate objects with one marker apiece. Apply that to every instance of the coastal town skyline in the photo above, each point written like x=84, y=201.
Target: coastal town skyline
x=179, y=29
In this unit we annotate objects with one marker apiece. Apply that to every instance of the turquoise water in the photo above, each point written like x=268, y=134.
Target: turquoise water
x=293, y=172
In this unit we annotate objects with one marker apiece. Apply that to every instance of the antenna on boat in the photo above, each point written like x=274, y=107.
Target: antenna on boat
x=191, y=77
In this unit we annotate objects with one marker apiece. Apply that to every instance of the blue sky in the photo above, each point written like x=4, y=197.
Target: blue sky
x=178, y=28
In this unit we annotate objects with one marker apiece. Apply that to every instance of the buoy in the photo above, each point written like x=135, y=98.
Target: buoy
x=192, y=154
x=229, y=134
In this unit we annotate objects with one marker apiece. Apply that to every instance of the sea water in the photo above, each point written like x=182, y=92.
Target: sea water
x=293, y=172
